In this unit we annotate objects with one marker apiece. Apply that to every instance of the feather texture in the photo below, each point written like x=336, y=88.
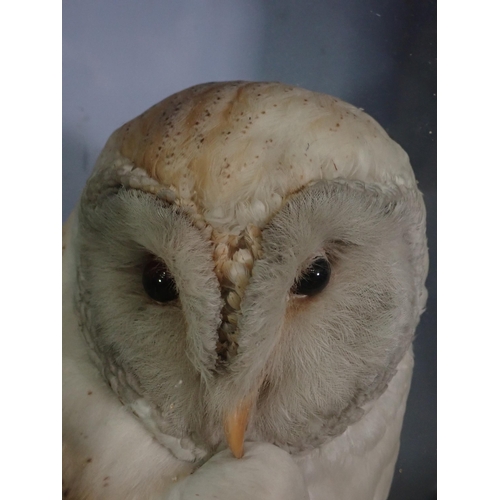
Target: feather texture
x=237, y=188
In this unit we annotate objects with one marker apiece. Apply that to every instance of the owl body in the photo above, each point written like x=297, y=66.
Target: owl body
x=246, y=265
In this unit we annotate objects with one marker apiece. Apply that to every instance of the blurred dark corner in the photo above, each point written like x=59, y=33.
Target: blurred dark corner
x=380, y=56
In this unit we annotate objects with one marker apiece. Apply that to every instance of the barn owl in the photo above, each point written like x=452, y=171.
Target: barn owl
x=242, y=280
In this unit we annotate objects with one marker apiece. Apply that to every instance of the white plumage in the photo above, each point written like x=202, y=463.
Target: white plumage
x=247, y=261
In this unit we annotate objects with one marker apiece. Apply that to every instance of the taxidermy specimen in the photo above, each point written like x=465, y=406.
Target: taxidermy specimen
x=242, y=280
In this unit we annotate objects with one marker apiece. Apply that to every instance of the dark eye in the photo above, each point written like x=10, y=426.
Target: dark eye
x=158, y=282
x=314, y=279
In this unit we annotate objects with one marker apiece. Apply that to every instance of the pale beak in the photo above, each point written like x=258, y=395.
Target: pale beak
x=235, y=425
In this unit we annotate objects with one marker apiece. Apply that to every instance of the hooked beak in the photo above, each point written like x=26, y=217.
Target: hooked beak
x=235, y=425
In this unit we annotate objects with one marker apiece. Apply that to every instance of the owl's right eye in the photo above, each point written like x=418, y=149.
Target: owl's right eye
x=158, y=282
x=314, y=279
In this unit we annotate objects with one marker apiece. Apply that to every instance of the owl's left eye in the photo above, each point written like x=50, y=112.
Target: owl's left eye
x=158, y=282
x=314, y=279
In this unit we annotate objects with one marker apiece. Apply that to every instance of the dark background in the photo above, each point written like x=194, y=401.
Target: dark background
x=119, y=58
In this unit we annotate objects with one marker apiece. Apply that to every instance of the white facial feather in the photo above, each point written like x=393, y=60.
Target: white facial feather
x=237, y=187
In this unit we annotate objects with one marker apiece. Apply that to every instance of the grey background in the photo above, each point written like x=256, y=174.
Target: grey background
x=119, y=58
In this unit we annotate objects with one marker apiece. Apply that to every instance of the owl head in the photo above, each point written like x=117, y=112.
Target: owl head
x=250, y=262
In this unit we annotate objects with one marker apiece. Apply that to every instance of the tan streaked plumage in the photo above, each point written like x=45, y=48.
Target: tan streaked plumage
x=232, y=150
